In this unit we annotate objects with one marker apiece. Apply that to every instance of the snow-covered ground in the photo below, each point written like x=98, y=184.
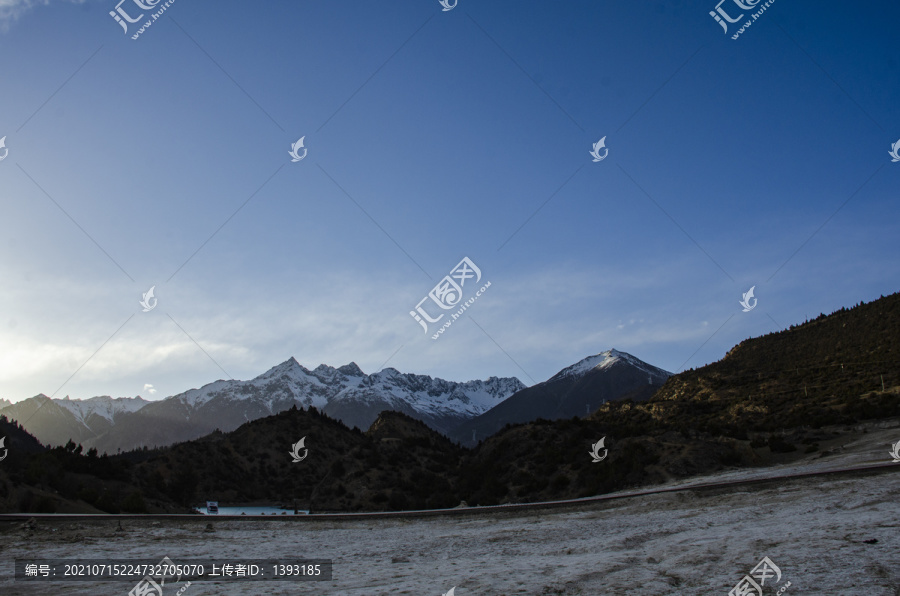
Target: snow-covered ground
x=834, y=535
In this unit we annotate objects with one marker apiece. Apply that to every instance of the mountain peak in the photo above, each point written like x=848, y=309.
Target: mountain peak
x=288, y=365
x=601, y=360
x=351, y=370
x=606, y=359
x=397, y=425
x=576, y=390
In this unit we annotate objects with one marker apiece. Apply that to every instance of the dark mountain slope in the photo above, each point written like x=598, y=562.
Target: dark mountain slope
x=826, y=371
x=573, y=391
x=399, y=463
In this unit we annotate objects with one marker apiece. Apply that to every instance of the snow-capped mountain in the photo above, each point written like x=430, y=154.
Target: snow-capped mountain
x=458, y=410
x=574, y=391
x=55, y=421
x=440, y=404
x=608, y=359
x=345, y=393
x=103, y=406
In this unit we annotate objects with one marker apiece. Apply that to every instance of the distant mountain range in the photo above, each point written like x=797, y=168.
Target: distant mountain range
x=466, y=412
x=55, y=421
x=345, y=393
x=574, y=391
x=789, y=395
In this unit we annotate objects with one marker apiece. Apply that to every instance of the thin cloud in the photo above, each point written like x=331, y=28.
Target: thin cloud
x=13, y=10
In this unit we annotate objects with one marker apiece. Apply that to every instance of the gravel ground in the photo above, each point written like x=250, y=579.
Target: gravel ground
x=827, y=536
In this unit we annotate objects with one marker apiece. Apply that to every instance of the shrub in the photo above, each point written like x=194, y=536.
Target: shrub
x=779, y=445
x=107, y=504
x=560, y=481
x=45, y=505
x=134, y=503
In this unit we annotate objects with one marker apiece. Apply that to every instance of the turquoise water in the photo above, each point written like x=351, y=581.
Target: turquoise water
x=251, y=510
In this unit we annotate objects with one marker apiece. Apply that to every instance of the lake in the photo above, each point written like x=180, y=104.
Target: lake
x=251, y=510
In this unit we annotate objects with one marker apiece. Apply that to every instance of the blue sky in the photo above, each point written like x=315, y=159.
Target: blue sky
x=432, y=135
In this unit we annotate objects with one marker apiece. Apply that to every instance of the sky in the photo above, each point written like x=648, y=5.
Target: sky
x=161, y=158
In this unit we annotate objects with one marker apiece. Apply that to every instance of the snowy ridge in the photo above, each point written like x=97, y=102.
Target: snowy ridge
x=103, y=406
x=428, y=395
x=324, y=385
x=344, y=393
x=606, y=359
